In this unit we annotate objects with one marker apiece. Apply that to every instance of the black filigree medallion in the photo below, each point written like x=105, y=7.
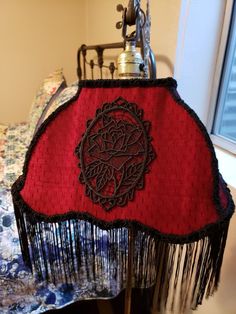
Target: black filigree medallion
x=114, y=153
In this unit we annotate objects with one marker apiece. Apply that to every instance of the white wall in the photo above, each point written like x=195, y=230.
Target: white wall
x=200, y=27
x=36, y=37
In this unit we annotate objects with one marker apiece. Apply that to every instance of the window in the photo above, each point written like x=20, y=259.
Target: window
x=224, y=126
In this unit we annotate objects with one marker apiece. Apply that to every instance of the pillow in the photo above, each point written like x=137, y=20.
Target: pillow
x=14, y=146
x=67, y=93
x=48, y=91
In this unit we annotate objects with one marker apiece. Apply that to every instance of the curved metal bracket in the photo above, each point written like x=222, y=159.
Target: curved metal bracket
x=131, y=13
x=134, y=15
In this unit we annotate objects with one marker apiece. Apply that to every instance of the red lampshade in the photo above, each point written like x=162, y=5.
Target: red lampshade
x=122, y=155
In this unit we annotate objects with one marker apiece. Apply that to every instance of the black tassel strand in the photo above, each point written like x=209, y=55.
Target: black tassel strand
x=65, y=251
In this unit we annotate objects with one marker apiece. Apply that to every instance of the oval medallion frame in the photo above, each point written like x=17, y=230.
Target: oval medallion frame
x=114, y=153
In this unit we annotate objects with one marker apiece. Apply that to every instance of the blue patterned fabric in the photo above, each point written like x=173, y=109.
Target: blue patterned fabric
x=20, y=292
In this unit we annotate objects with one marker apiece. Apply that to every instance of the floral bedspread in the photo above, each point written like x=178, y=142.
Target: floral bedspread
x=19, y=290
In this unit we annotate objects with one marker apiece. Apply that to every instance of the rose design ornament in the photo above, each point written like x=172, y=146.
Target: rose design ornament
x=114, y=153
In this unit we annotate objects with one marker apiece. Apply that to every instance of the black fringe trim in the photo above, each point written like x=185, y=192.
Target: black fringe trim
x=82, y=249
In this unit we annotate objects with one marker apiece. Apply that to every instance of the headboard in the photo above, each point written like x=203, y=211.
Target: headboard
x=87, y=67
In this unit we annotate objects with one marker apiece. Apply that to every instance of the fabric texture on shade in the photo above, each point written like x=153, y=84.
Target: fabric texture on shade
x=126, y=155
